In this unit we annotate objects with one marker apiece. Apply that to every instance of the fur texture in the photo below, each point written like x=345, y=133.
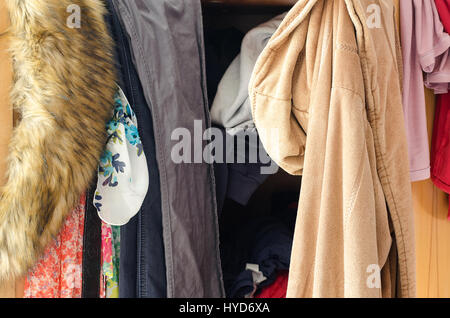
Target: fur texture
x=63, y=90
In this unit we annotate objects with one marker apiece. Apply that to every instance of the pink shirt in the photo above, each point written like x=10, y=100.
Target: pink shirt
x=425, y=49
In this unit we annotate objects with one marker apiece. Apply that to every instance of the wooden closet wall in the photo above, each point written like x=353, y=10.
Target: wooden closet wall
x=430, y=204
x=432, y=231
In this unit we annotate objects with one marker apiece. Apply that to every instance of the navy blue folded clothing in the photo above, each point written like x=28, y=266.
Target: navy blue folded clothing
x=240, y=175
x=265, y=242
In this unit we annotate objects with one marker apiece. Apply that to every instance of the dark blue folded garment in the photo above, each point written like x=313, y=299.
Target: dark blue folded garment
x=266, y=242
x=234, y=180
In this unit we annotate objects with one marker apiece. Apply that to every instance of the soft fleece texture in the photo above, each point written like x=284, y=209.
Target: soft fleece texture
x=326, y=100
x=63, y=90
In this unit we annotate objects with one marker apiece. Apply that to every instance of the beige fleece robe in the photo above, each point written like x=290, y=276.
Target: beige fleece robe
x=326, y=100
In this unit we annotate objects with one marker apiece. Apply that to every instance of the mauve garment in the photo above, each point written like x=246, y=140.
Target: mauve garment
x=438, y=72
x=423, y=40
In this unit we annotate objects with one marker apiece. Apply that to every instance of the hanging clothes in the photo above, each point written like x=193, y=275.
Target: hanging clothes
x=122, y=175
x=109, y=287
x=121, y=188
x=333, y=85
x=63, y=93
x=433, y=47
x=168, y=49
x=58, y=274
x=440, y=149
x=92, y=246
x=142, y=268
x=423, y=41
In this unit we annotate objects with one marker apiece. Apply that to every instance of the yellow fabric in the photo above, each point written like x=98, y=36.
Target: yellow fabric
x=327, y=104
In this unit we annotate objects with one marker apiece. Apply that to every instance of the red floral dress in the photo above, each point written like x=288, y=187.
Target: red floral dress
x=59, y=271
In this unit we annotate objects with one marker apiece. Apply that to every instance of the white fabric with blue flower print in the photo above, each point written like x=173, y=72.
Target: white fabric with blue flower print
x=122, y=173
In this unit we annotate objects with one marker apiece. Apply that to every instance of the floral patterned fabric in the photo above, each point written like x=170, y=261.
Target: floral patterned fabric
x=59, y=271
x=110, y=261
x=123, y=173
x=121, y=189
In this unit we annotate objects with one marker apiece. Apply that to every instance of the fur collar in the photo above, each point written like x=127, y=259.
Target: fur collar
x=63, y=90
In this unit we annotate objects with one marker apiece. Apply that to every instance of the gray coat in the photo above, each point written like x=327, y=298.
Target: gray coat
x=168, y=50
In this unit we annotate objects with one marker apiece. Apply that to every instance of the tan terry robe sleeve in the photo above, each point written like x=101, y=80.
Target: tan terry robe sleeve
x=281, y=126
